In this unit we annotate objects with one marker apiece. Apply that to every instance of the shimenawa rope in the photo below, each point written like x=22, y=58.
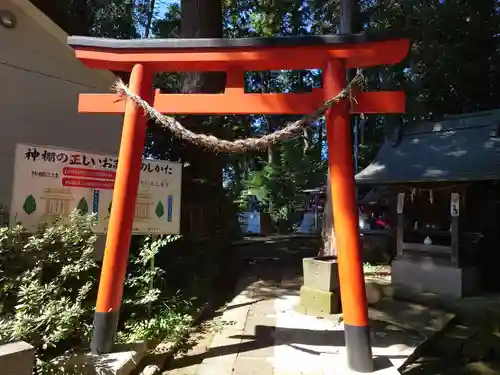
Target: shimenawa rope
x=292, y=130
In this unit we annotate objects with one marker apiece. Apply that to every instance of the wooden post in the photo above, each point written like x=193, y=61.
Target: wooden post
x=401, y=224
x=455, y=215
x=351, y=277
x=400, y=235
x=114, y=265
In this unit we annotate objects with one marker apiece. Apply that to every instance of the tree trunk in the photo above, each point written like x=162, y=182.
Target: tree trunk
x=203, y=19
x=149, y=21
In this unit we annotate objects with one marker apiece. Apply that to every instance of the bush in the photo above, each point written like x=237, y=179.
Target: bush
x=48, y=289
x=153, y=312
x=48, y=284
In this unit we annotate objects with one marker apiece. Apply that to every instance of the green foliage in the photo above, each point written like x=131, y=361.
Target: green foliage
x=452, y=65
x=46, y=281
x=171, y=316
x=279, y=185
x=168, y=323
x=48, y=288
x=145, y=275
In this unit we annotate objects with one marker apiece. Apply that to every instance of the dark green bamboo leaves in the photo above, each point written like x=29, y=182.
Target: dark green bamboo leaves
x=29, y=205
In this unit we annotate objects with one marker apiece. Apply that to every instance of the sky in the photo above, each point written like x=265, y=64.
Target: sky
x=161, y=6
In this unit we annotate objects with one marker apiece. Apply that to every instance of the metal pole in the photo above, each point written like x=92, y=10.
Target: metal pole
x=115, y=260
x=351, y=277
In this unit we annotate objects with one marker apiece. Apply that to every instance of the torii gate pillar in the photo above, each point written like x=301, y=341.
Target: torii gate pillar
x=334, y=54
x=342, y=186
x=114, y=266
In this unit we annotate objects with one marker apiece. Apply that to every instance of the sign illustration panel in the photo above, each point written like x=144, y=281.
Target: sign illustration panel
x=51, y=182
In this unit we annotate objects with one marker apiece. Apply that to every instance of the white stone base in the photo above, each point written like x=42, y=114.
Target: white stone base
x=428, y=276
x=122, y=361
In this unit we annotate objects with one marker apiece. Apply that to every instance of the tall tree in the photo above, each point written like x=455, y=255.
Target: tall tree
x=203, y=19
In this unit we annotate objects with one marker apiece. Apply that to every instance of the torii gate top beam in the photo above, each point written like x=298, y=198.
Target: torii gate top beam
x=235, y=56
x=250, y=54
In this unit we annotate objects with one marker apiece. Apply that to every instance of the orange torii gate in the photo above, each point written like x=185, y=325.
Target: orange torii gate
x=333, y=54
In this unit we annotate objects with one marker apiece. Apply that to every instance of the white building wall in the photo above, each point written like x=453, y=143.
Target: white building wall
x=40, y=80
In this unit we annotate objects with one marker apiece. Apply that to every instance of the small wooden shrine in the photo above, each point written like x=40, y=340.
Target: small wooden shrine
x=444, y=181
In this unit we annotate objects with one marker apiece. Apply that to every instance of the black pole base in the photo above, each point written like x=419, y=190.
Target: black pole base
x=359, y=350
x=105, y=325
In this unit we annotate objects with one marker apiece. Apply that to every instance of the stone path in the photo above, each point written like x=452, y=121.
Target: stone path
x=264, y=335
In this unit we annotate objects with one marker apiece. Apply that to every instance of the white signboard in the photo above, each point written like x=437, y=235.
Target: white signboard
x=455, y=204
x=51, y=182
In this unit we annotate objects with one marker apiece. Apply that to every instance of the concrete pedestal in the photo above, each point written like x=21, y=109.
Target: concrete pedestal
x=122, y=361
x=427, y=275
x=17, y=358
x=320, y=293
x=319, y=302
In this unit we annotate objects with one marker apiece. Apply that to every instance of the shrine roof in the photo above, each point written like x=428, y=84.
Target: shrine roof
x=458, y=148
x=228, y=43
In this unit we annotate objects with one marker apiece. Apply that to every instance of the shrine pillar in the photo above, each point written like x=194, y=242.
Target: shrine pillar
x=342, y=187
x=118, y=238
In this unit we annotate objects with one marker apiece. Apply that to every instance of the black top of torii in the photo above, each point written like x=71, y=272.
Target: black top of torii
x=281, y=41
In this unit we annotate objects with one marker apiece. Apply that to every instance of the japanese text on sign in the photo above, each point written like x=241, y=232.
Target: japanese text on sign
x=77, y=158
x=50, y=183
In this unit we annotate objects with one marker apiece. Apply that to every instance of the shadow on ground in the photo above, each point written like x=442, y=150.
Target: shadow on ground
x=262, y=261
